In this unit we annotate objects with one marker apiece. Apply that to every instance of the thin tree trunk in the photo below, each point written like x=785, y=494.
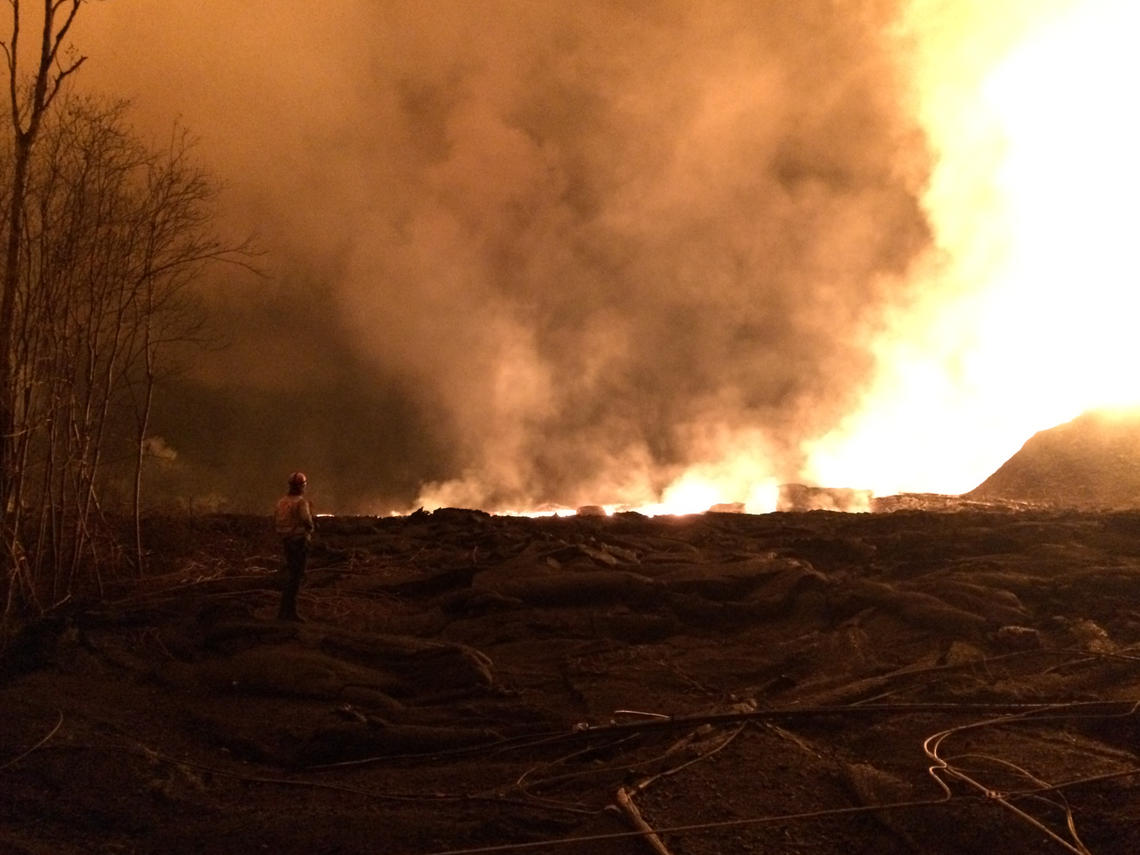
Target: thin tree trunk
x=7, y=316
x=26, y=115
x=144, y=424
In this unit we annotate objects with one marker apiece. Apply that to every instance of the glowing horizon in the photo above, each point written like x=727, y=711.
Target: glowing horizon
x=1022, y=310
x=1041, y=282
x=648, y=258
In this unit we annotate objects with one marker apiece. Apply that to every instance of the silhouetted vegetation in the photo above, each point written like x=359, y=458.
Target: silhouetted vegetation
x=105, y=234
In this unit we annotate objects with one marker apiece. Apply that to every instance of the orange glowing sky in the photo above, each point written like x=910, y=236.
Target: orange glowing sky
x=657, y=259
x=1034, y=204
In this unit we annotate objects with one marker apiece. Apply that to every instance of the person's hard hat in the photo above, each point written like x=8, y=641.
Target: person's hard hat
x=298, y=479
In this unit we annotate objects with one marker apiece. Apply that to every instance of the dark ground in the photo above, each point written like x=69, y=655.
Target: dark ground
x=912, y=682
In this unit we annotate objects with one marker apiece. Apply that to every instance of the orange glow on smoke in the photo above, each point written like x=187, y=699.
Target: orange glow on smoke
x=695, y=493
x=1025, y=312
x=1029, y=317
x=692, y=493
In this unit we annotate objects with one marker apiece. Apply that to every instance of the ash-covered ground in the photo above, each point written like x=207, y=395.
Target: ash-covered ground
x=907, y=682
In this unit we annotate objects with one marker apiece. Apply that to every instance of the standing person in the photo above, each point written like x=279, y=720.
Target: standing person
x=293, y=519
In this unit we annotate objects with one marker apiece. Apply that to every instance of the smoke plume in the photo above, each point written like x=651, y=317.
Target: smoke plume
x=528, y=253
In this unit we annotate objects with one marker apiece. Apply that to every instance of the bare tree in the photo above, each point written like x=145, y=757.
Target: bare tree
x=104, y=237
x=116, y=232
x=31, y=97
x=178, y=243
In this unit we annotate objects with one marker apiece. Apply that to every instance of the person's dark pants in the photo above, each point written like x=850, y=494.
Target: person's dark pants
x=296, y=557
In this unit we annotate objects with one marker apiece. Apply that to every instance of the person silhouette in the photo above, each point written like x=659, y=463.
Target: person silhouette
x=293, y=521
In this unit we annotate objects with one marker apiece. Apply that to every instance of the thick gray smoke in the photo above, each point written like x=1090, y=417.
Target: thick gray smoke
x=527, y=252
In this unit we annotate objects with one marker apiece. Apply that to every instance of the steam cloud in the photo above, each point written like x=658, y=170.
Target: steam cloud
x=530, y=252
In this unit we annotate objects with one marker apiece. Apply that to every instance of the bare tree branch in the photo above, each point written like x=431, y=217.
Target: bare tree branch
x=63, y=74
x=13, y=64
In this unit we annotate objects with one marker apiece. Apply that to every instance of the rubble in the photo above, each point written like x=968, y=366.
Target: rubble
x=464, y=680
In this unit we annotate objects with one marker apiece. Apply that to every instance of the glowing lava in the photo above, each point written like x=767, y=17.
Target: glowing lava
x=1028, y=318
x=1024, y=312
x=1024, y=315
